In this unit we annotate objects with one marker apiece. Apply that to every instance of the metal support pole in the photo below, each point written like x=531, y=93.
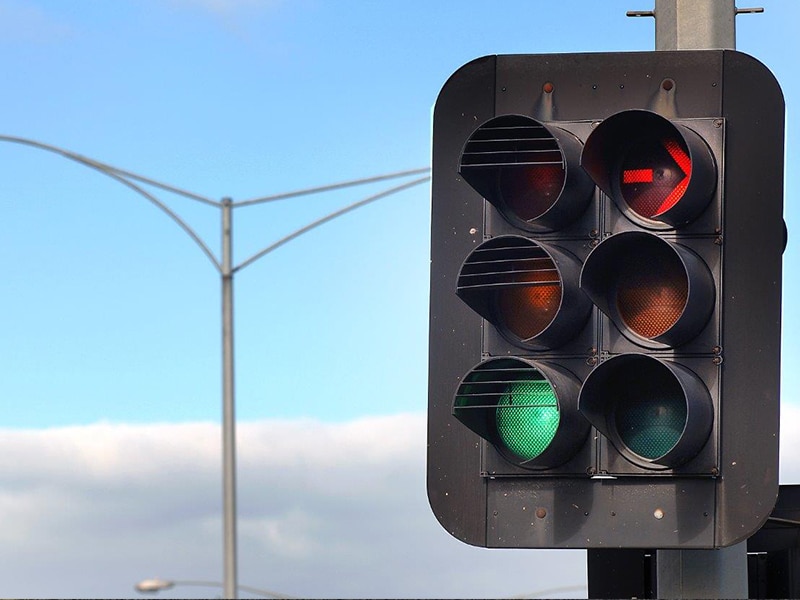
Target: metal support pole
x=699, y=25
x=230, y=584
x=702, y=573
x=695, y=24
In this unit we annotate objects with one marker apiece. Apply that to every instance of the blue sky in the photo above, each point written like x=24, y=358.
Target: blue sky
x=111, y=315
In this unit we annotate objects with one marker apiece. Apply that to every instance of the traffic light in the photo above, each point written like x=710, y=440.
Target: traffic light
x=606, y=240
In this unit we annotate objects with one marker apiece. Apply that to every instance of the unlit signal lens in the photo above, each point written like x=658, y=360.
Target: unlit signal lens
x=657, y=292
x=651, y=294
x=528, y=290
x=529, y=171
x=527, y=310
x=531, y=191
x=656, y=413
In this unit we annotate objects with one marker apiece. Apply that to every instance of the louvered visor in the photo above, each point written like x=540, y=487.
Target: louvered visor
x=528, y=171
x=527, y=410
x=511, y=140
x=527, y=290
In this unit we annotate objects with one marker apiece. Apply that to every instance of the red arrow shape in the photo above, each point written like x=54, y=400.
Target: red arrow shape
x=684, y=163
x=637, y=176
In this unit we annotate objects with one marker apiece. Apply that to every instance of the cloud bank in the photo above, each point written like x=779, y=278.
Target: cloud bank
x=325, y=510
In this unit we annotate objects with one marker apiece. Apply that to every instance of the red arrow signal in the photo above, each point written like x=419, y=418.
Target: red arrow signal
x=648, y=200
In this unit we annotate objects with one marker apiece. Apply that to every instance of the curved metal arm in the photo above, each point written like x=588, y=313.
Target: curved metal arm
x=331, y=187
x=120, y=176
x=105, y=168
x=327, y=218
x=124, y=177
x=181, y=223
x=158, y=184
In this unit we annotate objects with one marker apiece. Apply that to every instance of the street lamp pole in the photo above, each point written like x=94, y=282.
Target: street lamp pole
x=226, y=268
x=228, y=416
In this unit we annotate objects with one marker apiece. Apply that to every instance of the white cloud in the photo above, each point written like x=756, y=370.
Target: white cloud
x=26, y=22
x=336, y=510
x=790, y=443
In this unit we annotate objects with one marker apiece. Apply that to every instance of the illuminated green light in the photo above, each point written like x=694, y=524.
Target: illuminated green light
x=651, y=426
x=527, y=417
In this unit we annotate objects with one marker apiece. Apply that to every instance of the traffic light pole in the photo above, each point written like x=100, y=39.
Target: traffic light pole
x=721, y=573
x=695, y=24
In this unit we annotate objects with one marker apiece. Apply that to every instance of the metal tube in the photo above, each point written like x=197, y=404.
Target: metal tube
x=326, y=218
x=230, y=584
x=699, y=25
x=702, y=573
x=331, y=187
x=695, y=24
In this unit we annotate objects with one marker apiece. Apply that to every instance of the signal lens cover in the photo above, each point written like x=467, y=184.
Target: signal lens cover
x=657, y=292
x=527, y=410
x=651, y=293
x=527, y=417
x=654, y=175
x=528, y=290
x=658, y=414
x=660, y=173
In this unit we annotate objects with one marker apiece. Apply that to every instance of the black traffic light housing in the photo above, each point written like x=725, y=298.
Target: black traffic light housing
x=606, y=243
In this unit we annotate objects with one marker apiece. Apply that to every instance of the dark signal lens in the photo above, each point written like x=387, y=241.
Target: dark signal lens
x=658, y=414
x=529, y=192
x=529, y=171
x=527, y=290
x=657, y=292
x=528, y=308
x=652, y=291
x=654, y=176
x=651, y=415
